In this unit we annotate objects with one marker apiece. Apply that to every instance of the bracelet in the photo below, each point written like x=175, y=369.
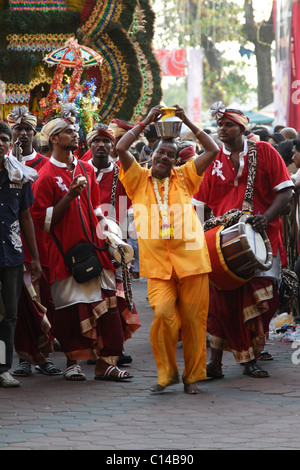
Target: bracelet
x=198, y=133
x=142, y=126
x=132, y=133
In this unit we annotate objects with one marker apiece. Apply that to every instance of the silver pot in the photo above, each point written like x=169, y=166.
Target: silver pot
x=169, y=125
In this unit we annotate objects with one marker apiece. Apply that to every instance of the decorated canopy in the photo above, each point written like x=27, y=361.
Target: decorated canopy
x=127, y=80
x=66, y=57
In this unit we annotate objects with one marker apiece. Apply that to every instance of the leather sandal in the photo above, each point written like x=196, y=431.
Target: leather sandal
x=23, y=369
x=48, y=368
x=114, y=374
x=253, y=370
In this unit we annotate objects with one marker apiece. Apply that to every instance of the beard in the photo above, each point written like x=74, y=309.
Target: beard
x=71, y=147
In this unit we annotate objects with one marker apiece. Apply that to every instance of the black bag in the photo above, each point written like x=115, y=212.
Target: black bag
x=83, y=262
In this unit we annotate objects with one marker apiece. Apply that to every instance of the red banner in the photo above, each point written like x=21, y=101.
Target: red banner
x=172, y=62
x=294, y=105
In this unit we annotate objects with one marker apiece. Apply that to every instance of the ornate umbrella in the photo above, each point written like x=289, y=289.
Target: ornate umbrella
x=65, y=56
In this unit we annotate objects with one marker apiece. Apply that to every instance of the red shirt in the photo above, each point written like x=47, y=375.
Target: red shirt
x=52, y=184
x=86, y=156
x=220, y=194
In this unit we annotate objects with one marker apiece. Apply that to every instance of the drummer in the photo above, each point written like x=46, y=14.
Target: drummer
x=239, y=319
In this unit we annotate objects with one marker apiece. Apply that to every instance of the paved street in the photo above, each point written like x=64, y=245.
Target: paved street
x=237, y=412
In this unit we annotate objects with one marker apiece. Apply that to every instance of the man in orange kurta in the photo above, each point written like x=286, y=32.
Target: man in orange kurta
x=173, y=252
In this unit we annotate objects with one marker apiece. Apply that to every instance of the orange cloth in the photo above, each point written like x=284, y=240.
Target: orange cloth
x=187, y=252
x=179, y=304
x=176, y=269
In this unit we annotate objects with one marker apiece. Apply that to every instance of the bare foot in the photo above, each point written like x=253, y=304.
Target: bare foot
x=157, y=388
x=191, y=389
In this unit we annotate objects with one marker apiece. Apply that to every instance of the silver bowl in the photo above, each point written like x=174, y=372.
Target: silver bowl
x=169, y=128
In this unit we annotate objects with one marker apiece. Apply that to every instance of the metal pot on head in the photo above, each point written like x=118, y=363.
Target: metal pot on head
x=169, y=125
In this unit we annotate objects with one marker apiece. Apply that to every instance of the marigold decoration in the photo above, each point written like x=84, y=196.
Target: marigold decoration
x=128, y=82
x=50, y=103
x=75, y=85
x=72, y=55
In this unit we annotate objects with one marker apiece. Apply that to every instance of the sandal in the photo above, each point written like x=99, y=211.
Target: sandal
x=265, y=356
x=48, y=368
x=212, y=373
x=23, y=370
x=253, y=370
x=115, y=374
x=124, y=359
x=74, y=373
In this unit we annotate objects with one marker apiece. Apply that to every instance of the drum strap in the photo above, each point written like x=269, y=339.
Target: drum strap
x=252, y=164
x=125, y=270
x=114, y=185
x=232, y=216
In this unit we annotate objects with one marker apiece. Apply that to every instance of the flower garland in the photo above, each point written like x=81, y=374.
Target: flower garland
x=75, y=85
x=166, y=231
x=49, y=104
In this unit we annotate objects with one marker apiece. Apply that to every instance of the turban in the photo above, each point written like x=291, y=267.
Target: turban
x=43, y=139
x=21, y=116
x=217, y=110
x=55, y=126
x=120, y=127
x=187, y=153
x=100, y=129
x=253, y=137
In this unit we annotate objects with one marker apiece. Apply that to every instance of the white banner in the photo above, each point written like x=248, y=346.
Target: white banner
x=194, y=84
x=283, y=61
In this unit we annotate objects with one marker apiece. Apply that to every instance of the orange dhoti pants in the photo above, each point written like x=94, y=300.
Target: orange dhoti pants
x=179, y=304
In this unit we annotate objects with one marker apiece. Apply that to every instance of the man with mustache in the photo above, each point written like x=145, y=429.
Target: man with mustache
x=239, y=318
x=173, y=252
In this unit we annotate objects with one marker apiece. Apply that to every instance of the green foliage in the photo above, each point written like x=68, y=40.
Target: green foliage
x=188, y=22
x=35, y=21
x=232, y=86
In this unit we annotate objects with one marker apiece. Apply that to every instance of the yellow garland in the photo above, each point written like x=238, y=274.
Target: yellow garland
x=167, y=231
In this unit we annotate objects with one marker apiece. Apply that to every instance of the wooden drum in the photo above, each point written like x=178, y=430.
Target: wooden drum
x=236, y=253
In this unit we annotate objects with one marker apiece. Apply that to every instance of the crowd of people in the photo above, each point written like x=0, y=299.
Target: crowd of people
x=62, y=287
